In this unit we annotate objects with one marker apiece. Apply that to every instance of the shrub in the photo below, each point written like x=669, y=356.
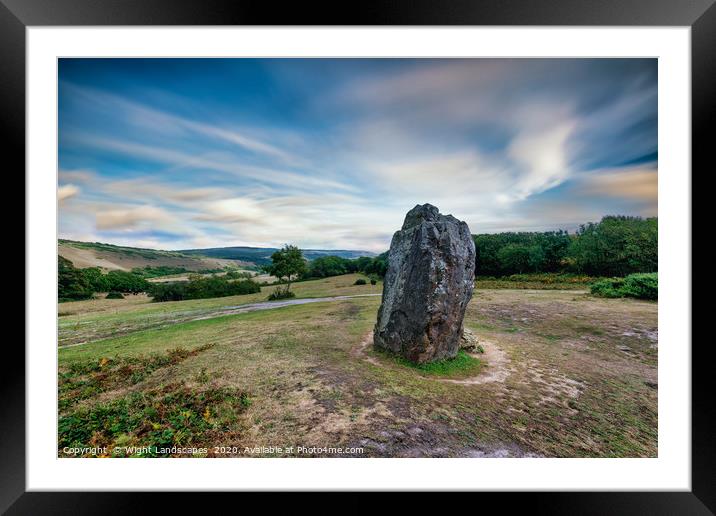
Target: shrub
x=114, y=295
x=608, y=287
x=202, y=288
x=641, y=286
x=373, y=281
x=360, y=281
x=281, y=293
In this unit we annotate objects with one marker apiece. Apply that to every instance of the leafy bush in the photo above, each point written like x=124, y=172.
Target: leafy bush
x=639, y=286
x=114, y=295
x=608, y=287
x=373, y=281
x=360, y=281
x=201, y=288
x=281, y=293
x=642, y=286
x=168, y=292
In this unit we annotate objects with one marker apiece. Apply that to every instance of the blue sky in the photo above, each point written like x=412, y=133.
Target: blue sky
x=331, y=153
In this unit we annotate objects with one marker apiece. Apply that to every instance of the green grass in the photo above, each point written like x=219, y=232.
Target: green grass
x=92, y=320
x=461, y=366
x=290, y=376
x=150, y=254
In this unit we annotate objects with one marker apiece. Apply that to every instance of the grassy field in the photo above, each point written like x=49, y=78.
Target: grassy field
x=564, y=374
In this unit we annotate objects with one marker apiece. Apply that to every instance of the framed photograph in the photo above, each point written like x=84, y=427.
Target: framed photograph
x=416, y=250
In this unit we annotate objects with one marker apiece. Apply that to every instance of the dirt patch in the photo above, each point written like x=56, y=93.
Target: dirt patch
x=432, y=439
x=360, y=351
x=496, y=368
x=495, y=362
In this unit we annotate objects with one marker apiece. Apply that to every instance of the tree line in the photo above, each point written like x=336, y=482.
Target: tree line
x=76, y=284
x=327, y=266
x=199, y=287
x=615, y=246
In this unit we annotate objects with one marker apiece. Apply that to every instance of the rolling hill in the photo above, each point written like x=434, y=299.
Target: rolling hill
x=115, y=257
x=262, y=255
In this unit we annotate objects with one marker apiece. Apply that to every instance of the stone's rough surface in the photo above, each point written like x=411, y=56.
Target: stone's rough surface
x=468, y=341
x=430, y=278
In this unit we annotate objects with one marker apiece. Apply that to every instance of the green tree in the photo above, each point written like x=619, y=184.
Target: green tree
x=616, y=246
x=502, y=254
x=520, y=258
x=71, y=282
x=287, y=264
x=123, y=281
x=326, y=266
x=96, y=279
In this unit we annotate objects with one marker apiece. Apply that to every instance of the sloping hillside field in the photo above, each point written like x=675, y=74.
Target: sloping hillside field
x=561, y=374
x=113, y=257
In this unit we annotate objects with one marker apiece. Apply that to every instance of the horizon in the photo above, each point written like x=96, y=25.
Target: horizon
x=319, y=249
x=181, y=154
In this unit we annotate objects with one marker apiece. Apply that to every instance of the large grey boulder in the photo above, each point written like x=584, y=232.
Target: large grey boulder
x=428, y=284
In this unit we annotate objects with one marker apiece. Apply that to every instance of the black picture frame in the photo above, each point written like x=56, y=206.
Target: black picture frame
x=700, y=15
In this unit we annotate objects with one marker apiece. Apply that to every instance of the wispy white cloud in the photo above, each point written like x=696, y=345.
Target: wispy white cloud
x=337, y=162
x=127, y=218
x=66, y=191
x=76, y=176
x=162, y=122
x=226, y=164
x=542, y=158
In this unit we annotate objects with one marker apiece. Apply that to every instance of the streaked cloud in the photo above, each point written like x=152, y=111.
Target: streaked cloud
x=331, y=153
x=637, y=183
x=66, y=191
x=127, y=218
x=76, y=176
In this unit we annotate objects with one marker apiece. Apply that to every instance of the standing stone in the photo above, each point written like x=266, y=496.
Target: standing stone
x=429, y=281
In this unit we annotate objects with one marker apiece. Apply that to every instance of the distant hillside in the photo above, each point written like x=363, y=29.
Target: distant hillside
x=115, y=257
x=262, y=255
x=109, y=256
